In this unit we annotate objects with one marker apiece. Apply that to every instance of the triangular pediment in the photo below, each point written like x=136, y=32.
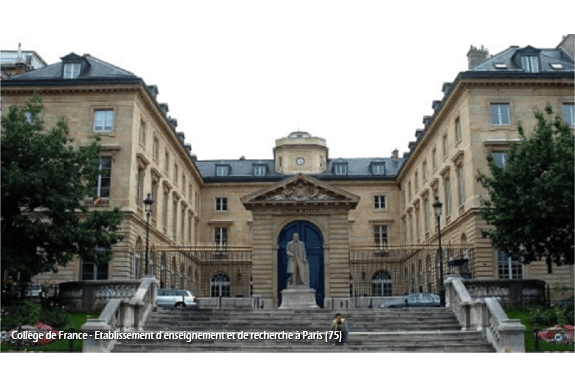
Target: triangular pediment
x=300, y=190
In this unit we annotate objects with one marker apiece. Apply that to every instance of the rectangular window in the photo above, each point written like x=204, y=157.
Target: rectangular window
x=340, y=169
x=380, y=235
x=189, y=228
x=259, y=170
x=183, y=224
x=167, y=164
x=220, y=235
x=427, y=215
x=415, y=182
x=183, y=186
x=417, y=227
x=222, y=171
x=155, y=148
x=71, y=70
x=143, y=133
x=457, y=130
x=175, y=173
x=174, y=219
x=92, y=272
x=379, y=202
x=569, y=114
x=461, y=189
x=165, y=213
x=102, y=186
x=530, y=63
x=434, y=158
x=507, y=268
x=139, y=186
x=155, y=197
x=445, y=145
x=447, y=185
x=409, y=191
x=221, y=204
x=103, y=120
x=500, y=114
x=500, y=158
x=424, y=171
x=378, y=169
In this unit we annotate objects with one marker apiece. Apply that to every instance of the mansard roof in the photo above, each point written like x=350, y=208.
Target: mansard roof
x=509, y=61
x=96, y=70
x=242, y=170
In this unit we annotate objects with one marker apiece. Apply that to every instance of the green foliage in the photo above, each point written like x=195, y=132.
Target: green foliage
x=531, y=200
x=559, y=315
x=44, y=180
x=27, y=313
x=55, y=317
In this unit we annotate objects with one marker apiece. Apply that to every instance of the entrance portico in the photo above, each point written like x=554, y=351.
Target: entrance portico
x=300, y=199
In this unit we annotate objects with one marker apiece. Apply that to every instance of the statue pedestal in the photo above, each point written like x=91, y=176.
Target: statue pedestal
x=298, y=298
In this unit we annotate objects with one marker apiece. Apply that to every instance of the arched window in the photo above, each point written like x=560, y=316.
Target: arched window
x=220, y=285
x=381, y=284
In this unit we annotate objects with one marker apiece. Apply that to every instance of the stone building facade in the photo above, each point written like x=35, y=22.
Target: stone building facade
x=220, y=227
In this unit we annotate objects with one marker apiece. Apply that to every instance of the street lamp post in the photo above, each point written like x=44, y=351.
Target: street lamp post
x=148, y=202
x=437, y=207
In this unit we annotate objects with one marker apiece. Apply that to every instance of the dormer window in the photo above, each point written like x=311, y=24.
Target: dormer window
x=222, y=169
x=73, y=65
x=377, y=168
x=260, y=169
x=557, y=66
x=71, y=70
x=500, y=66
x=340, y=168
x=530, y=63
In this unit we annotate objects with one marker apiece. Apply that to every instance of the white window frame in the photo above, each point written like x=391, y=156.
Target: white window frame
x=500, y=114
x=380, y=202
x=340, y=169
x=106, y=117
x=98, y=187
x=503, y=158
x=530, y=63
x=381, y=235
x=259, y=170
x=508, y=269
x=569, y=114
x=220, y=236
x=222, y=171
x=221, y=204
x=71, y=70
x=378, y=169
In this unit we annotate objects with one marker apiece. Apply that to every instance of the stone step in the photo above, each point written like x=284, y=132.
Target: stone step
x=372, y=330
x=391, y=342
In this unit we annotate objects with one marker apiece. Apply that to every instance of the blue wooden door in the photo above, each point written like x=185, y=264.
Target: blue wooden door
x=311, y=236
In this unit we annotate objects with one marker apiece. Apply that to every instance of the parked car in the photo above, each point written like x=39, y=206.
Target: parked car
x=414, y=300
x=175, y=298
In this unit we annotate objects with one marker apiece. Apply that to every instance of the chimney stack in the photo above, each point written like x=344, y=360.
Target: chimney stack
x=476, y=56
x=395, y=154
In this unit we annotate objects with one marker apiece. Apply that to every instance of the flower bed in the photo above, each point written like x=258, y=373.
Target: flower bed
x=558, y=334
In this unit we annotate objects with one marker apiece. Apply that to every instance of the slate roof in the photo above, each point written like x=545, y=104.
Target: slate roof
x=93, y=70
x=242, y=170
x=509, y=57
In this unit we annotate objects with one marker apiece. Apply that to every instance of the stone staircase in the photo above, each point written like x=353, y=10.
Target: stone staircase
x=371, y=330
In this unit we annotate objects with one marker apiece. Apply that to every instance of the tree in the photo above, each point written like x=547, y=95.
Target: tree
x=530, y=203
x=44, y=181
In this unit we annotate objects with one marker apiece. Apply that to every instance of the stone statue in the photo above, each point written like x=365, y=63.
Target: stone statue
x=298, y=265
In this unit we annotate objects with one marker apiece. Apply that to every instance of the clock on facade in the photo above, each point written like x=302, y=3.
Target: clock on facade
x=300, y=161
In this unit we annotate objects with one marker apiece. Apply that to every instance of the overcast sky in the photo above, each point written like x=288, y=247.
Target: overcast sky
x=239, y=74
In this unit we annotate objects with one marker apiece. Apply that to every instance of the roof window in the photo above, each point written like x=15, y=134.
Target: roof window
x=530, y=63
x=500, y=66
x=73, y=65
x=223, y=169
x=557, y=66
x=340, y=167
